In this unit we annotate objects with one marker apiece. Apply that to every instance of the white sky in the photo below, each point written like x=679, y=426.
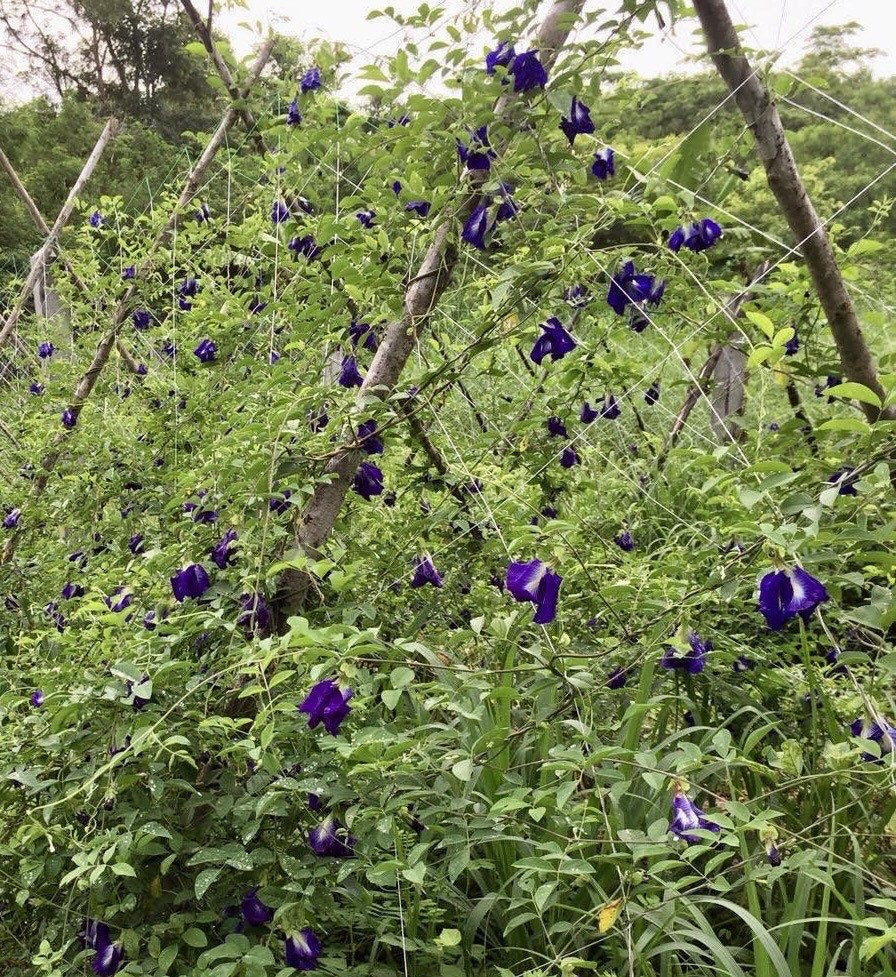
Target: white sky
x=774, y=24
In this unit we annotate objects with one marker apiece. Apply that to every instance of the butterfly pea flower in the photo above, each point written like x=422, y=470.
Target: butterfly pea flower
x=279, y=212
x=617, y=678
x=699, y=236
x=579, y=121
x=554, y=341
x=326, y=703
x=832, y=380
x=478, y=154
x=742, y=664
x=317, y=420
x=118, y=600
x=273, y=357
x=134, y=691
x=362, y=330
x=536, y=583
x=45, y=350
x=11, y=519
x=71, y=590
x=792, y=346
x=627, y=287
x=368, y=481
x=188, y=289
x=692, y=660
x=528, y=72
x=52, y=611
x=203, y=214
x=365, y=217
x=652, y=394
x=610, y=411
x=687, y=817
x=396, y=187
x=508, y=207
x=556, y=427
x=310, y=80
x=253, y=910
x=169, y=349
x=314, y=803
x=425, y=573
x=502, y=56
x=304, y=247
x=129, y=272
x=845, y=479
x=35, y=388
x=190, y=581
x=576, y=296
x=625, y=541
x=327, y=839
x=569, y=457
x=419, y=207
x=135, y=544
x=587, y=413
x=280, y=503
x=96, y=219
x=221, y=553
x=301, y=950
x=293, y=115
x=476, y=227
x=604, y=164
x=402, y=120
x=255, y=614
x=256, y=305
x=69, y=418
x=370, y=443
x=772, y=855
x=37, y=698
x=206, y=351
x=782, y=594
x=108, y=956
x=877, y=731
x=349, y=375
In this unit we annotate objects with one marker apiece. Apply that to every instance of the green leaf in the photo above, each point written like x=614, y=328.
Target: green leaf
x=205, y=879
x=195, y=937
x=122, y=868
x=855, y=391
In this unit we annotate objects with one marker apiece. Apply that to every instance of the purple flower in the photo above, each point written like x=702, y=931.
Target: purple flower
x=107, y=960
x=293, y=115
x=691, y=661
x=610, y=410
x=369, y=442
x=878, y=732
x=149, y=620
x=349, y=376
x=476, y=227
x=168, y=348
x=317, y=420
x=365, y=217
x=625, y=541
x=221, y=554
x=69, y=418
x=304, y=247
x=135, y=544
x=569, y=457
x=368, y=480
x=118, y=600
x=326, y=703
x=587, y=413
x=676, y=239
x=325, y=840
x=534, y=582
x=617, y=678
x=301, y=950
x=425, y=573
x=418, y=207
x=11, y=519
x=203, y=214
x=576, y=296
x=629, y=288
x=556, y=427
x=310, y=81
x=604, y=164
x=508, y=207
x=478, y=155
x=35, y=388
x=52, y=611
x=502, y=55
x=396, y=187
x=253, y=910
x=254, y=614
x=187, y=290
x=687, y=817
x=280, y=503
x=402, y=120
x=141, y=319
x=652, y=393
x=742, y=664
x=37, y=698
x=772, y=855
x=845, y=479
x=554, y=341
x=782, y=594
x=357, y=330
x=71, y=590
x=45, y=350
x=189, y=581
x=579, y=121
x=528, y=72
x=792, y=346
x=699, y=236
x=206, y=351
x=129, y=272
x=96, y=218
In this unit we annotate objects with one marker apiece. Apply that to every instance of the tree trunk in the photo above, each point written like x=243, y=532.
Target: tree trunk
x=761, y=116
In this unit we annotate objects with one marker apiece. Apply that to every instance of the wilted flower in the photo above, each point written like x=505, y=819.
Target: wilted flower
x=418, y=207
x=304, y=247
x=782, y=594
x=206, y=351
x=318, y=419
x=370, y=443
x=772, y=855
x=508, y=207
x=396, y=186
x=45, y=350
x=534, y=582
x=203, y=214
x=556, y=427
x=326, y=703
x=118, y=600
x=221, y=554
x=365, y=217
x=502, y=55
x=310, y=80
x=478, y=154
x=425, y=573
x=528, y=72
x=610, y=410
x=368, y=480
x=327, y=839
x=69, y=418
x=187, y=290
x=135, y=543
x=569, y=457
x=349, y=376
x=576, y=296
x=254, y=614
x=301, y=950
x=742, y=664
x=293, y=115
x=687, y=817
x=617, y=678
x=554, y=341
x=792, y=346
x=11, y=519
x=604, y=164
x=189, y=581
x=578, y=123
x=691, y=660
x=149, y=620
x=253, y=910
x=625, y=541
x=652, y=393
x=699, y=236
x=280, y=503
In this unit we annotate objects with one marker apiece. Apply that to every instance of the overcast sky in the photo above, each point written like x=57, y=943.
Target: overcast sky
x=774, y=24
